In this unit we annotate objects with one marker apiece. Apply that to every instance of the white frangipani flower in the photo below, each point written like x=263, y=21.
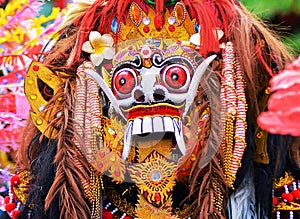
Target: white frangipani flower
x=99, y=46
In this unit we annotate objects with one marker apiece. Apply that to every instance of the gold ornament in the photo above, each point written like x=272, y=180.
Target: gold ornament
x=145, y=210
x=156, y=177
x=140, y=24
x=38, y=79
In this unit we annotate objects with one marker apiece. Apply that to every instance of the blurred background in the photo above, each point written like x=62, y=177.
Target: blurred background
x=283, y=16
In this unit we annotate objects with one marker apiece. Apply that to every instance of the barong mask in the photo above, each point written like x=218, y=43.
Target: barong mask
x=140, y=108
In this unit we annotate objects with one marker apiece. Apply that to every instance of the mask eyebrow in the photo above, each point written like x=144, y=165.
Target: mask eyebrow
x=179, y=60
x=133, y=64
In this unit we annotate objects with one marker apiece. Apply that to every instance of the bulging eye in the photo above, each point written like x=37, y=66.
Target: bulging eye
x=124, y=81
x=176, y=77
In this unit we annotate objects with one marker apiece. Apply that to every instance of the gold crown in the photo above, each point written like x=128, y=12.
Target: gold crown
x=177, y=24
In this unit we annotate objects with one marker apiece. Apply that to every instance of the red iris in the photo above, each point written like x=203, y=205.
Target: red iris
x=176, y=77
x=124, y=81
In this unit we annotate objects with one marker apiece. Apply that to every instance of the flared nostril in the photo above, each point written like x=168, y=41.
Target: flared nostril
x=159, y=95
x=139, y=96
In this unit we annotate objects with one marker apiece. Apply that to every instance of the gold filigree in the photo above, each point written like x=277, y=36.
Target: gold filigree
x=283, y=206
x=121, y=204
x=95, y=191
x=21, y=190
x=186, y=211
x=105, y=159
x=155, y=176
x=144, y=210
x=133, y=28
x=162, y=147
x=285, y=180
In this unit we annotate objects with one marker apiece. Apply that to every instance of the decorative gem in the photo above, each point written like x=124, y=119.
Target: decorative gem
x=41, y=108
x=146, y=29
x=171, y=20
x=171, y=28
x=146, y=52
x=99, y=46
x=196, y=26
x=114, y=25
x=35, y=68
x=33, y=96
x=158, y=27
x=179, y=13
x=146, y=20
x=135, y=14
x=156, y=176
x=39, y=122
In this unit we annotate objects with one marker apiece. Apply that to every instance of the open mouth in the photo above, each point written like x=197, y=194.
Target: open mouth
x=152, y=125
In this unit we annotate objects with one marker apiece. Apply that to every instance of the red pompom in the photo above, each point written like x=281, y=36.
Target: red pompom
x=127, y=217
x=10, y=206
x=15, y=214
x=15, y=180
x=288, y=197
x=107, y=215
x=7, y=199
x=296, y=194
x=275, y=201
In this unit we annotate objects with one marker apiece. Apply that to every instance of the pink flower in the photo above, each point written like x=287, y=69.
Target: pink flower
x=283, y=115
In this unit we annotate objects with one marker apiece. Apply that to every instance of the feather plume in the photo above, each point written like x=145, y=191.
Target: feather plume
x=77, y=8
x=72, y=167
x=241, y=203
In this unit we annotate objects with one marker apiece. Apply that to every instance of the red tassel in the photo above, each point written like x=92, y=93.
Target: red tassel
x=287, y=197
x=6, y=200
x=296, y=194
x=9, y=207
x=211, y=15
x=159, y=19
x=261, y=59
x=15, y=214
x=107, y=215
x=15, y=180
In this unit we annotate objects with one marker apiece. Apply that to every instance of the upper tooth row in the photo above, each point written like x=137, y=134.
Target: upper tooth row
x=153, y=125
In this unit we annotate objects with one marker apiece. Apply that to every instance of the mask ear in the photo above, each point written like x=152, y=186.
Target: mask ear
x=41, y=84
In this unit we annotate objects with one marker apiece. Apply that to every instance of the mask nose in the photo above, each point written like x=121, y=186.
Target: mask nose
x=157, y=95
